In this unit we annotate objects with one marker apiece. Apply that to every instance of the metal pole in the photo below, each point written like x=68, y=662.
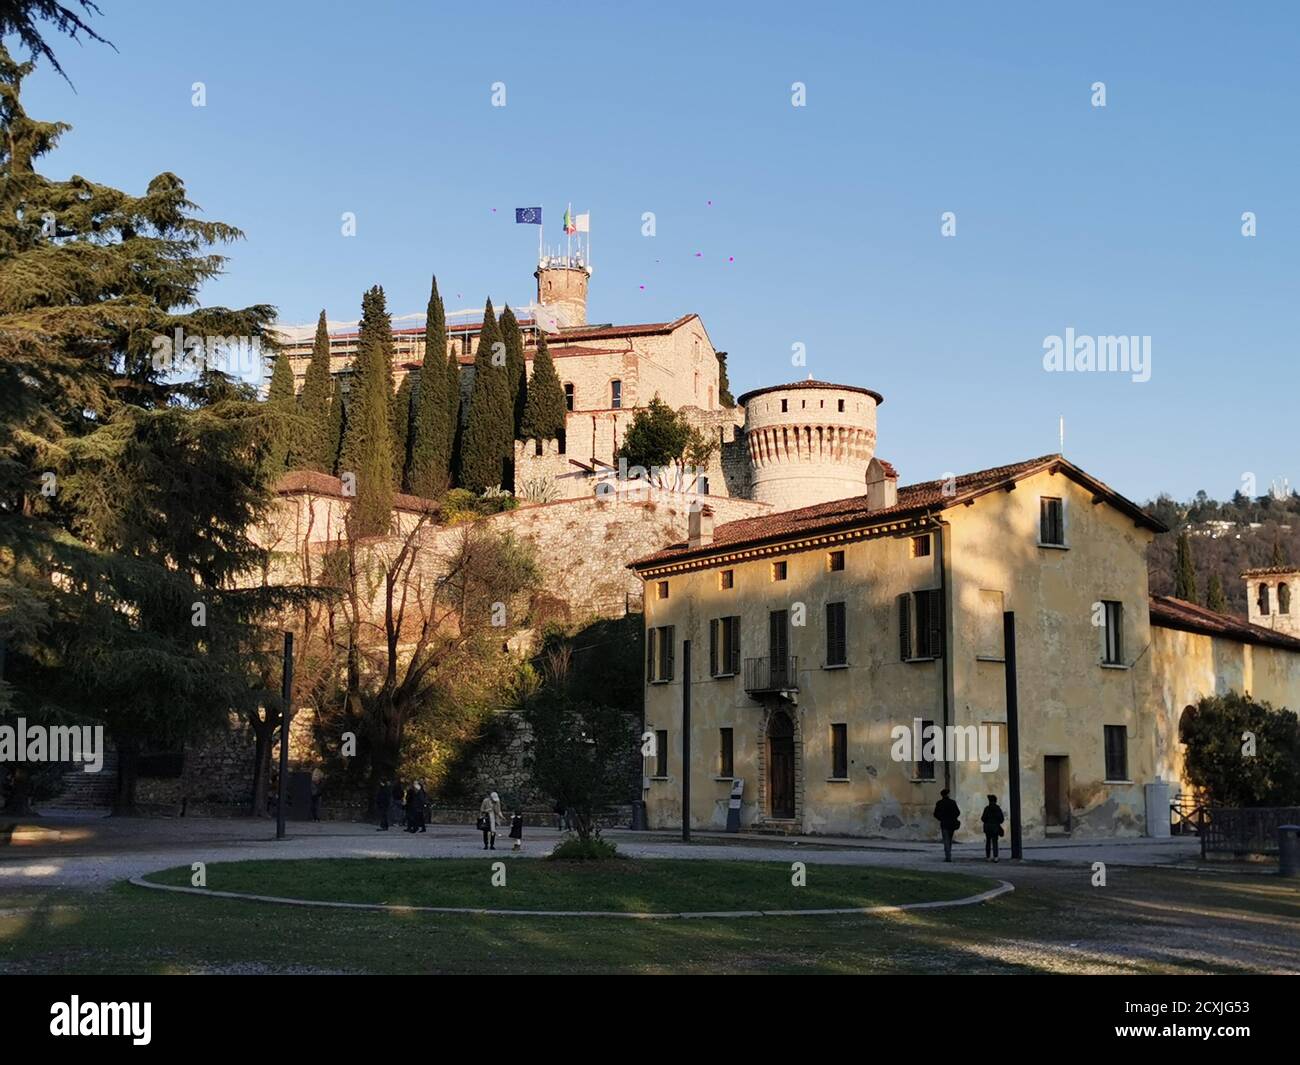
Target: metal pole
x=686, y=741
x=1013, y=729
x=286, y=716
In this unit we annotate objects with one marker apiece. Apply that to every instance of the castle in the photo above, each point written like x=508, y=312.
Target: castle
x=829, y=606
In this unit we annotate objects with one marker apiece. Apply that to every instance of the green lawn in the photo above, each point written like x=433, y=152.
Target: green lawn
x=1145, y=921
x=617, y=886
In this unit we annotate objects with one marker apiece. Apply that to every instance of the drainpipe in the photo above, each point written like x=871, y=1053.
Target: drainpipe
x=945, y=674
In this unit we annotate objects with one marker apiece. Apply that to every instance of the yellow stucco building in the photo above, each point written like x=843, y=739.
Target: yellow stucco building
x=825, y=640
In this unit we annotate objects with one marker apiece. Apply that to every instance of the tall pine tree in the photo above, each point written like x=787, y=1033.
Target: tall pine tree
x=544, y=412
x=454, y=427
x=123, y=584
x=400, y=420
x=367, y=440
x=488, y=442
x=312, y=451
x=513, y=338
x=283, y=404
x=336, y=429
x=1185, y=571
x=1214, y=597
x=432, y=427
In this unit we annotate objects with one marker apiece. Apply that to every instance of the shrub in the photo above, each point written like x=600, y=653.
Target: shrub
x=573, y=849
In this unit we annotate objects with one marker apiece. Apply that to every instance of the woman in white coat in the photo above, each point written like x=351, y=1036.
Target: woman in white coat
x=489, y=816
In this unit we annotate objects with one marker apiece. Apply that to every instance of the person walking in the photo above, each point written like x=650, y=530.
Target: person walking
x=415, y=808
x=489, y=816
x=948, y=815
x=559, y=811
x=317, y=789
x=517, y=830
x=395, y=812
x=992, y=818
x=383, y=798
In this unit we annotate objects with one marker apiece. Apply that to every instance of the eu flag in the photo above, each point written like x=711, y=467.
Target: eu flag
x=529, y=215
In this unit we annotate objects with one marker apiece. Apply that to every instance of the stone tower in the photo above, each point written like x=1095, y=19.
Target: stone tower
x=1271, y=594
x=809, y=442
x=562, y=292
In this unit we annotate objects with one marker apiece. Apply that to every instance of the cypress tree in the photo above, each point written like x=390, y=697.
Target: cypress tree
x=544, y=412
x=367, y=439
x=400, y=419
x=518, y=373
x=335, y=428
x=725, y=398
x=313, y=452
x=1214, y=598
x=453, y=427
x=1278, y=557
x=432, y=422
x=1185, y=572
x=282, y=403
x=489, y=429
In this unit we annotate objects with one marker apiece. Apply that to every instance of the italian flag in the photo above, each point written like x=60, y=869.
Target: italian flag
x=569, y=226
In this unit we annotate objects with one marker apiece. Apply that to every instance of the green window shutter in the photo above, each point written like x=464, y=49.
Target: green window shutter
x=935, y=623
x=669, y=649
x=713, y=647
x=735, y=645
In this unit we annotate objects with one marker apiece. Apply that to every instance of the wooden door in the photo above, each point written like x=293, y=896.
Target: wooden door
x=780, y=762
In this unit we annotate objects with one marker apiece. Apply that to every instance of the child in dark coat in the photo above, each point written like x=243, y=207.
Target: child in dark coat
x=517, y=830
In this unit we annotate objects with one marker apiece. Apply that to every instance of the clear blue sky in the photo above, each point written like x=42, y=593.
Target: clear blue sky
x=1115, y=220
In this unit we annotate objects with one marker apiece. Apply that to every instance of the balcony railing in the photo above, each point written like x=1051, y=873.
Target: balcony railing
x=771, y=675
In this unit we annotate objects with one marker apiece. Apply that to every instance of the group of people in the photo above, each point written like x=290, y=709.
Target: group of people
x=948, y=814
x=408, y=807
x=490, y=816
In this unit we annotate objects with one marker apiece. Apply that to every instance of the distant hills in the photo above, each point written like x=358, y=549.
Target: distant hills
x=1225, y=539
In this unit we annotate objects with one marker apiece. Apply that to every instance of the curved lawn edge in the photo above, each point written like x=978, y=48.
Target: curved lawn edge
x=1002, y=888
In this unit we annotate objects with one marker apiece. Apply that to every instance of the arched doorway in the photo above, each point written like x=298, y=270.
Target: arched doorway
x=780, y=766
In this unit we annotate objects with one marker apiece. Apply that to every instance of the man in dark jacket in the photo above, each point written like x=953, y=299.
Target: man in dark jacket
x=949, y=818
x=414, y=808
x=992, y=818
x=382, y=799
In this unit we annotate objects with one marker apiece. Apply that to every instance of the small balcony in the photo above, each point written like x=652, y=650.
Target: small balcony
x=764, y=676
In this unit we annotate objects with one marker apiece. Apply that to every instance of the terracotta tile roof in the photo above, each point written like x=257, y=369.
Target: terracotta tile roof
x=326, y=485
x=1270, y=571
x=913, y=501
x=1171, y=613
x=810, y=383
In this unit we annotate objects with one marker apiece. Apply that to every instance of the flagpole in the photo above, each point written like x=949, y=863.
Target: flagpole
x=568, y=237
x=541, y=228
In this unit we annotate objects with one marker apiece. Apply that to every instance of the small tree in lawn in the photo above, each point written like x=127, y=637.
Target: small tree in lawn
x=1241, y=752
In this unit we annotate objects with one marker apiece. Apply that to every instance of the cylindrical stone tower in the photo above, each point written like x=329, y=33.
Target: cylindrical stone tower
x=809, y=442
x=562, y=290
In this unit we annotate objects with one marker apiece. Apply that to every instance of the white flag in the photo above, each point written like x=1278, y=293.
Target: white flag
x=582, y=223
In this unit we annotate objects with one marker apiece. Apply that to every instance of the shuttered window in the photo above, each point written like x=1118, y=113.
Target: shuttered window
x=837, y=649
x=840, y=751
x=659, y=654
x=1051, y=521
x=905, y=626
x=1113, y=649
x=724, y=647
x=726, y=755
x=920, y=625
x=661, y=752
x=925, y=759
x=1116, y=752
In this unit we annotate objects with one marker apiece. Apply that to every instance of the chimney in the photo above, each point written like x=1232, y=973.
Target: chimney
x=882, y=485
x=700, y=526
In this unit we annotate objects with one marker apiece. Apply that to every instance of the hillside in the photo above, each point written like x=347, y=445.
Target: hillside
x=1225, y=538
